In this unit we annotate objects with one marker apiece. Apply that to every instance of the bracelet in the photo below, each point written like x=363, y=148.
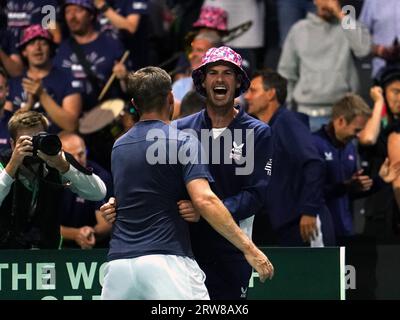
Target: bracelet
x=104, y=8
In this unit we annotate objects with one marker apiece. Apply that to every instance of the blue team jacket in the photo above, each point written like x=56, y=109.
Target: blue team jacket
x=340, y=165
x=297, y=180
x=243, y=195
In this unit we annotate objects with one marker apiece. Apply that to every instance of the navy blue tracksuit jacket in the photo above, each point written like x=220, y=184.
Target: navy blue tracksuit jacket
x=296, y=187
x=244, y=195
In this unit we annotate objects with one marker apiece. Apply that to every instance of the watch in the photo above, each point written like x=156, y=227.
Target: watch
x=104, y=8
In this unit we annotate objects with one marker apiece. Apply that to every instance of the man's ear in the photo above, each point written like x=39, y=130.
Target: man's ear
x=271, y=94
x=12, y=143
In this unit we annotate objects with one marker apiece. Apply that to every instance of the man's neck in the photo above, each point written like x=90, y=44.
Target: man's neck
x=164, y=117
x=221, y=117
x=88, y=37
x=38, y=73
x=268, y=112
x=330, y=130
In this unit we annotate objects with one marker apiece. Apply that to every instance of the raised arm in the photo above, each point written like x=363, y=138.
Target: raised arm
x=213, y=210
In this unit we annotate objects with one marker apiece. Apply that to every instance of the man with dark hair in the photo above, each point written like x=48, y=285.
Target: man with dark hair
x=150, y=244
x=43, y=87
x=31, y=182
x=239, y=153
x=294, y=202
x=5, y=115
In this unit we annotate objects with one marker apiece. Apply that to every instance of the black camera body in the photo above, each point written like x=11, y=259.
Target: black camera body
x=48, y=143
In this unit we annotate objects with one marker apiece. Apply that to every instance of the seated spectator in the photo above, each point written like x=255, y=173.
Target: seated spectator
x=81, y=222
x=10, y=59
x=128, y=21
x=211, y=20
x=91, y=57
x=5, y=115
x=199, y=46
x=31, y=184
x=43, y=87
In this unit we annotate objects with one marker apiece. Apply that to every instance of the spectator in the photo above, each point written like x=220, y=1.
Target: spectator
x=317, y=60
x=382, y=22
x=5, y=115
x=82, y=225
x=128, y=20
x=31, y=186
x=199, y=46
x=289, y=12
x=381, y=208
x=294, y=201
x=343, y=178
x=44, y=87
x=83, y=55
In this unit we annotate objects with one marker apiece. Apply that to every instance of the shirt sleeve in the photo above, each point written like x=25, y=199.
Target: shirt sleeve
x=5, y=183
x=89, y=187
x=300, y=146
x=190, y=156
x=250, y=200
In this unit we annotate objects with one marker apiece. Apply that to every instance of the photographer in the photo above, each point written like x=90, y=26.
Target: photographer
x=32, y=176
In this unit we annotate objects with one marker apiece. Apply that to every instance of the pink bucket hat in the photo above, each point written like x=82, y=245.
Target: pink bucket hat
x=33, y=32
x=220, y=54
x=213, y=18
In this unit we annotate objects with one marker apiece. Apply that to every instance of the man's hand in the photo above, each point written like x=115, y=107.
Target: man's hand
x=259, y=261
x=334, y=7
x=187, y=211
x=376, y=94
x=23, y=148
x=58, y=161
x=33, y=87
x=359, y=182
x=99, y=3
x=108, y=210
x=308, y=228
x=85, y=238
x=389, y=172
x=120, y=70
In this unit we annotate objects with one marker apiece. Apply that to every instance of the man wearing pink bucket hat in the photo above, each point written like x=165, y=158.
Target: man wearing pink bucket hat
x=220, y=78
x=44, y=87
x=213, y=18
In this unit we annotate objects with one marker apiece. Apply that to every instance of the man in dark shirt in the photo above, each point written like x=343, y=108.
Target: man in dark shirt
x=5, y=115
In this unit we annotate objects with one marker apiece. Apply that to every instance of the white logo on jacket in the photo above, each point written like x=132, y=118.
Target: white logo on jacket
x=236, y=152
x=328, y=156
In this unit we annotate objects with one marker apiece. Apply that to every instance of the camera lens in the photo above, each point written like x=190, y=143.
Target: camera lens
x=50, y=144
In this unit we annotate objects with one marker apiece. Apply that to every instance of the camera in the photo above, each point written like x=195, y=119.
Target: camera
x=48, y=143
